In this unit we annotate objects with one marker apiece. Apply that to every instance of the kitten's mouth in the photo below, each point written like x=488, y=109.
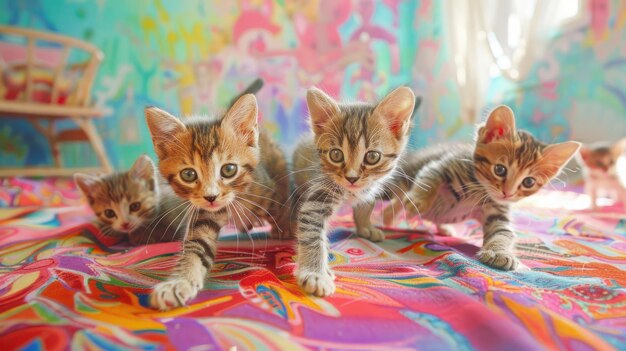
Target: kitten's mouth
x=127, y=230
x=213, y=206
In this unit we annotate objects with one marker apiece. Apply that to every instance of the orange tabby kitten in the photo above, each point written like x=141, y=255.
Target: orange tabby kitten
x=227, y=169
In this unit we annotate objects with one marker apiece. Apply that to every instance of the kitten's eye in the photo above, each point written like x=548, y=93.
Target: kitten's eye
x=372, y=157
x=336, y=155
x=528, y=182
x=135, y=206
x=228, y=170
x=109, y=213
x=188, y=175
x=499, y=170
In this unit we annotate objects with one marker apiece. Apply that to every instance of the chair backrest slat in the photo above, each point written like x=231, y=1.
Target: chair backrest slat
x=81, y=93
x=30, y=61
x=58, y=73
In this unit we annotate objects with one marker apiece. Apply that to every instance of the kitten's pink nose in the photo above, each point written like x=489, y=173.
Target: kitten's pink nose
x=125, y=225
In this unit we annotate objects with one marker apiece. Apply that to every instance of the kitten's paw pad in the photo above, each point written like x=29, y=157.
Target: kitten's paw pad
x=371, y=233
x=315, y=283
x=172, y=293
x=446, y=230
x=504, y=260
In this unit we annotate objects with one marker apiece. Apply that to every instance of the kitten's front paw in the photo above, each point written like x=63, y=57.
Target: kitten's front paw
x=503, y=259
x=371, y=233
x=173, y=293
x=316, y=283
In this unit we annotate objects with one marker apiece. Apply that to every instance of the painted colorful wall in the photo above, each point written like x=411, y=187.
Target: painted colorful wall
x=192, y=56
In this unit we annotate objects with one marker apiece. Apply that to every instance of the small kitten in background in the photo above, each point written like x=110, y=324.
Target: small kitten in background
x=481, y=181
x=133, y=203
x=604, y=170
x=353, y=151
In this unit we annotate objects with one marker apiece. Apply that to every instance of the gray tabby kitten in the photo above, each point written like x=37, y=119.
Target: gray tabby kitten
x=353, y=152
x=133, y=203
x=458, y=182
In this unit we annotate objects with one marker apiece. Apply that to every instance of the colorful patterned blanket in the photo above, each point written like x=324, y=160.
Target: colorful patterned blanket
x=63, y=285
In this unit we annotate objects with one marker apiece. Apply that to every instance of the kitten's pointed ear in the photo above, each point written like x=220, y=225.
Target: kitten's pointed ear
x=86, y=183
x=162, y=126
x=242, y=118
x=556, y=156
x=396, y=109
x=143, y=168
x=500, y=124
x=618, y=148
x=321, y=108
x=584, y=152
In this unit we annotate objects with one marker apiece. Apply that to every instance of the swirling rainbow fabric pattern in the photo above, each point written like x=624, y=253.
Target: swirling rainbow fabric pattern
x=63, y=285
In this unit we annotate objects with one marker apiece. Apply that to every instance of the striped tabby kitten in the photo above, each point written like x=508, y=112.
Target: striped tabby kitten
x=226, y=169
x=461, y=182
x=604, y=170
x=353, y=152
x=133, y=203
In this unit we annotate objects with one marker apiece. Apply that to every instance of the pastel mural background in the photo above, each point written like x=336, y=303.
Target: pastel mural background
x=191, y=57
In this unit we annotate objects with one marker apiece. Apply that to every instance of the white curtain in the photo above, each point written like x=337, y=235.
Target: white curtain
x=499, y=37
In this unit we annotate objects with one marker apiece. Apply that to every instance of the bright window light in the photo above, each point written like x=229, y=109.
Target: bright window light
x=567, y=9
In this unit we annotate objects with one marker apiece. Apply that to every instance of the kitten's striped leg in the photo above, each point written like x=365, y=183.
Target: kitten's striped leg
x=498, y=239
x=364, y=228
x=196, y=260
x=313, y=270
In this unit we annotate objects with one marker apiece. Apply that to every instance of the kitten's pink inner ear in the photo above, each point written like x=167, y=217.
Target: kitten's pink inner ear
x=161, y=123
x=242, y=117
x=500, y=124
x=85, y=182
x=143, y=168
x=322, y=108
x=555, y=156
x=396, y=109
x=618, y=148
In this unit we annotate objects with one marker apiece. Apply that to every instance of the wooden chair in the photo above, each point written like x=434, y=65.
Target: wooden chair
x=39, y=82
